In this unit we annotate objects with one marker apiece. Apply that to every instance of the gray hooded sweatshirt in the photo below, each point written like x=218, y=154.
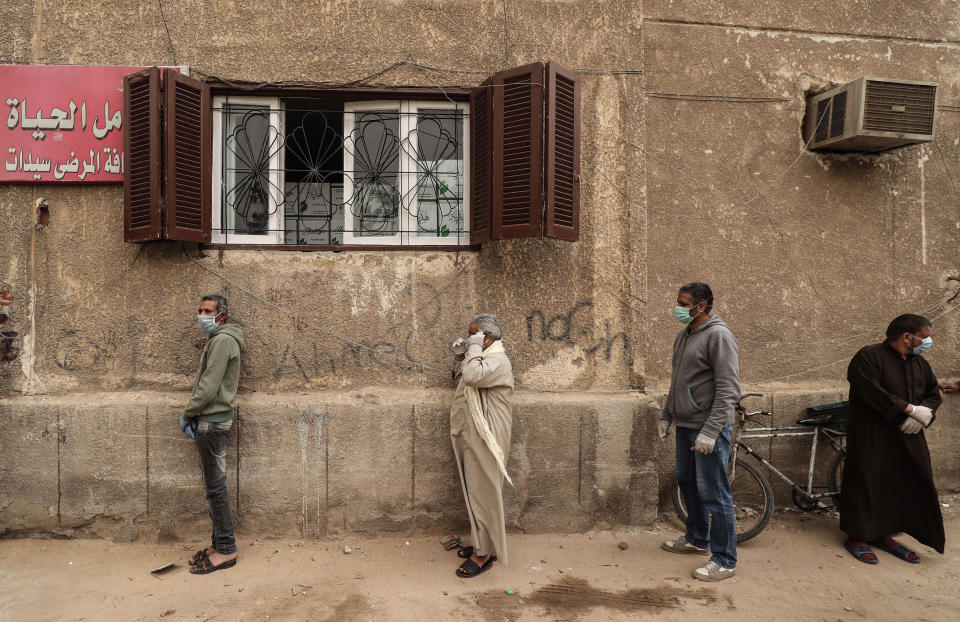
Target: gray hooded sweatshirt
x=705, y=384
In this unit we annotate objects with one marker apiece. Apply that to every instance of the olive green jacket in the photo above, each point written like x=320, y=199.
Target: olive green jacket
x=215, y=389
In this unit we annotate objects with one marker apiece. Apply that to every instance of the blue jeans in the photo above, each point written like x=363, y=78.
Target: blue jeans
x=212, y=445
x=706, y=493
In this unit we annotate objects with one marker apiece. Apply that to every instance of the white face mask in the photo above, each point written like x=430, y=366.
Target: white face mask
x=925, y=344
x=207, y=323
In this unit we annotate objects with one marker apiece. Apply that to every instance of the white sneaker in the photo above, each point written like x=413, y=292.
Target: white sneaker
x=682, y=545
x=712, y=571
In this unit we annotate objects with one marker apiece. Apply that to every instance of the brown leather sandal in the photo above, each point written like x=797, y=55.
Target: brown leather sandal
x=206, y=566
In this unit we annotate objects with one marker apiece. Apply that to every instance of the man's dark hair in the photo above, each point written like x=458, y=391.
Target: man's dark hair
x=906, y=323
x=220, y=300
x=700, y=292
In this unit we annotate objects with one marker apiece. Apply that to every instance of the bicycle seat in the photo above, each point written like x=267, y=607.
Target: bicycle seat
x=832, y=415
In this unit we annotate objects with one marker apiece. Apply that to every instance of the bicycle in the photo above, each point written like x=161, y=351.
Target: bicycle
x=752, y=493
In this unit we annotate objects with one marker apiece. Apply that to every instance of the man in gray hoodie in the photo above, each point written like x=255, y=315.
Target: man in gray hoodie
x=704, y=388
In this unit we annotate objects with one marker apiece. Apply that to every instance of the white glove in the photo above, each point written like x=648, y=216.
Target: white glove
x=459, y=346
x=476, y=339
x=704, y=444
x=911, y=425
x=922, y=414
x=663, y=428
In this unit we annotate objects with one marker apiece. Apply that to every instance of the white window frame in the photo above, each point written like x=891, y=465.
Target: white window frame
x=350, y=238
x=275, y=222
x=411, y=114
x=407, y=218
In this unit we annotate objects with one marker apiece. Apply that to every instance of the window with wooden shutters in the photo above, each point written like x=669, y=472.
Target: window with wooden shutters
x=142, y=143
x=324, y=168
x=167, y=141
x=533, y=172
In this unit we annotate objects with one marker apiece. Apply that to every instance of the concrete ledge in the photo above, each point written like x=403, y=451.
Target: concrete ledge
x=317, y=464
x=309, y=465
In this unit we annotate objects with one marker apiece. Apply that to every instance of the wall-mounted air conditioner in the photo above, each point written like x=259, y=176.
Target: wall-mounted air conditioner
x=871, y=114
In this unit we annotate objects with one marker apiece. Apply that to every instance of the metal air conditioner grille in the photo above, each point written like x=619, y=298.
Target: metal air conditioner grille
x=898, y=107
x=823, y=125
x=838, y=114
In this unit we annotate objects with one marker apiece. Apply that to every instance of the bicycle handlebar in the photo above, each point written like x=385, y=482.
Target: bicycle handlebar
x=743, y=397
x=743, y=411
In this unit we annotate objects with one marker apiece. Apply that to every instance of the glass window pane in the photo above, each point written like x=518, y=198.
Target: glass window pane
x=376, y=174
x=313, y=213
x=249, y=192
x=313, y=171
x=440, y=173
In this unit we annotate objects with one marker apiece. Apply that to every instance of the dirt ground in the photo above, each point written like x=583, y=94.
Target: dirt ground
x=795, y=570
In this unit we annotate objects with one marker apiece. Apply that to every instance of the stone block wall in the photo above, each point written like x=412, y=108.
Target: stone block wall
x=317, y=464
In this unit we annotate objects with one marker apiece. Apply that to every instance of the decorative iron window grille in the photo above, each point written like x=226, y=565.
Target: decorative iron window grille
x=304, y=171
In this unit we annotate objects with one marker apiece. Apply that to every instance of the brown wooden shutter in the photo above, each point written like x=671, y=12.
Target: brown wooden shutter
x=481, y=162
x=518, y=152
x=562, y=171
x=188, y=138
x=142, y=217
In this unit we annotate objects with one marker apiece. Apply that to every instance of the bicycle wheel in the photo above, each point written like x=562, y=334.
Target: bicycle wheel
x=836, y=474
x=752, y=501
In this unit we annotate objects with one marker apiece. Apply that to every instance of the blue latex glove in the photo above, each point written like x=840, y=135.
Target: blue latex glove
x=188, y=426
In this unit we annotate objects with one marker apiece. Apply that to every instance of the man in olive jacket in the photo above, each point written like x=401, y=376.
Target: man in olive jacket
x=207, y=418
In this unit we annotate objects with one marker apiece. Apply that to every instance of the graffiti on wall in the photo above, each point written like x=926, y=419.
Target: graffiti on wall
x=564, y=328
x=406, y=336
x=312, y=360
x=8, y=352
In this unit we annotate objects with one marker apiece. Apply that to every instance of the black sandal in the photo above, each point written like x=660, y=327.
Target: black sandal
x=466, y=551
x=898, y=550
x=206, y=566
x=198, y=557
x=470, y=569
x=861, y=552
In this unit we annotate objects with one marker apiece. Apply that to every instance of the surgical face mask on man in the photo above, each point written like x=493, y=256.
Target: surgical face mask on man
x=683, y=314
x=207, y=323
x=924, y=345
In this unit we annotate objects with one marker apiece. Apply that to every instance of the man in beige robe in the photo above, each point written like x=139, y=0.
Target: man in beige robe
x=480, y=425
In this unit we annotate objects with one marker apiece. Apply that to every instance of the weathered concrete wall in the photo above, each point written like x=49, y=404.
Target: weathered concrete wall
x=406, y=305
x=315, y=464
x=810, y=256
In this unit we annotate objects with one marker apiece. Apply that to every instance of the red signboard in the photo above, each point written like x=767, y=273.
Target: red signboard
x=64, y=123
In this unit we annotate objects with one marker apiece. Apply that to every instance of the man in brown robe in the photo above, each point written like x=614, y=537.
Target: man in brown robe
x=887, y=479
x=480, y=433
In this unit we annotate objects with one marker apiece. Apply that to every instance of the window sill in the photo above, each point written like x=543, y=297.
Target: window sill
x=337, y=248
